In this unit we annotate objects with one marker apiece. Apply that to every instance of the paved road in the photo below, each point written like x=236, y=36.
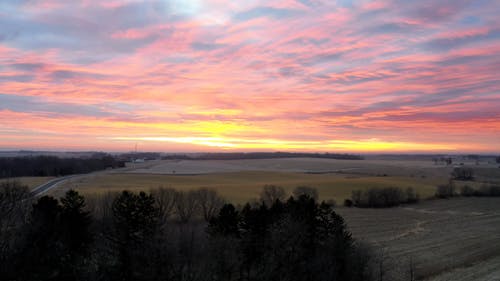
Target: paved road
x=55, y=182
x=49, y=185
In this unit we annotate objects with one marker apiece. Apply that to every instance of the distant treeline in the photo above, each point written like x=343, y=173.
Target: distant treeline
x=42, y=166
x=449, y=190
x=140, y=155
x=262, y=155
x=485, y=190
x=382, y=197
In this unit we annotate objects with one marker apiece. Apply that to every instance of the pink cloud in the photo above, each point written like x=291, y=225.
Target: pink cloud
x=322, y=72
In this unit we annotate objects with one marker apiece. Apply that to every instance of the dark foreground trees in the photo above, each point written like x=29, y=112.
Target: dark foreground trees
x=53, y=243
x=15, y=206
x=132, y=236
x=295, y=240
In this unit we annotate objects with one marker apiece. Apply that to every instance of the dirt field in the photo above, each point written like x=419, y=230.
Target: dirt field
x=487, y=270
x=302, y=165
x=456, y=239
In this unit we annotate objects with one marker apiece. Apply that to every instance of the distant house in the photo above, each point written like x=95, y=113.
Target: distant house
x=138, y=160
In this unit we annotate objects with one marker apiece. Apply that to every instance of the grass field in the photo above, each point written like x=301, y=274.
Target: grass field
x=239, y=187
x=241, y=180
x=31, y=182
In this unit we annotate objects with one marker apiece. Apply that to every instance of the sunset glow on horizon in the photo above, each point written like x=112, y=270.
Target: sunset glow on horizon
x=291, y=75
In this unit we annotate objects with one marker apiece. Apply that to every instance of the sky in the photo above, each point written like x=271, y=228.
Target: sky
x=294, y=75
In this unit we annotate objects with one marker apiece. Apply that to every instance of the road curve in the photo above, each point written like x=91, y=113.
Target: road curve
x=49, y=185
x=55, y=182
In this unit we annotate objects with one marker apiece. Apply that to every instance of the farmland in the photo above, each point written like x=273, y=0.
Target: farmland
x=241, y=180
x=304, y=165
x=455, y=239
x=240, y=187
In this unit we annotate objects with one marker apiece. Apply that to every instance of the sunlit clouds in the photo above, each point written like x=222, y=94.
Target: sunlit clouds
x=348, y=76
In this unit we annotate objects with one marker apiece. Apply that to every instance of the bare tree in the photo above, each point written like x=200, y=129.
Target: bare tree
x=381, y=269
x=411, y=195
x=272, y=193
x=14, y=198
x=411, y=270
x=165, y=201
x=356, y=197
x=186, y=204
x=446, y=190
x=463, y=173
x=210, y=202
x=306, y=190
x=100, y=205
x=15, y=205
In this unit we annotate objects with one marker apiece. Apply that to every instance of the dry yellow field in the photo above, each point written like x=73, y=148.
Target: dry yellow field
x=242, y=180
x=239, y=187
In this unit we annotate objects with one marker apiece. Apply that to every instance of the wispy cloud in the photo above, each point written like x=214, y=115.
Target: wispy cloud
x=299, y=75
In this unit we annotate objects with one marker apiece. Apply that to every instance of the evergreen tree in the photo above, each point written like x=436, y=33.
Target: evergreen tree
x=226, y=223
x=75, y=235
x=40, y=258
x=135, y=220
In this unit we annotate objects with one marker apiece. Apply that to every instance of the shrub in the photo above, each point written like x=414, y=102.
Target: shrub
x=305, y=190
x=331, y=202
x=445, y=190
x=494, y=190
x=348, y=203
x=383, y=197
x=411, y=195
x=489, y=190
x=484, y=190
x=468, y=191
x=356, y=197
x=463, y=173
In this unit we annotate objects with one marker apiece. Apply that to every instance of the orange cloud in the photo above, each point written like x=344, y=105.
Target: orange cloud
x=308, y=75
